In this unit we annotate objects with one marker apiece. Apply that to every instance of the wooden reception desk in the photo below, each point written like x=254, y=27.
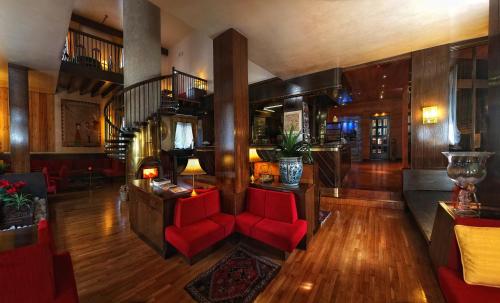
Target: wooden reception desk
x=332, y=164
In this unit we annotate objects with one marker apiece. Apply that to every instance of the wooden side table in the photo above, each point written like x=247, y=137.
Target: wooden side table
x=305, y=200
x=10, y=239
x=151, y=212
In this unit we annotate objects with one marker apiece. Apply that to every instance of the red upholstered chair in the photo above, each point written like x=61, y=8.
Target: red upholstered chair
x=62, y=180
x=453, y=286
x=198, y=224
x=117, y=169
x=36, y=273
x=271, y=217
x=51, y=184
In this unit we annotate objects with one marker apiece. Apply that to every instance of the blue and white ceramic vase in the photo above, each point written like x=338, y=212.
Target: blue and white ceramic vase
x=291, y=170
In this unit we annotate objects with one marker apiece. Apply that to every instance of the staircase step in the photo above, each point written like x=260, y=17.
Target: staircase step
x=115, y=152
x=125, y=141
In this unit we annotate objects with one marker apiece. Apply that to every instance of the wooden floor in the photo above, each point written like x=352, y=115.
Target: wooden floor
x=362, y=254
x=375, y=175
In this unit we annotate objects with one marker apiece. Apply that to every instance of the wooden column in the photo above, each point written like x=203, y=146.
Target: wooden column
x=430, y=72
x=488, y=189
x=231, y=118
x=19, y=119
x=404, y=127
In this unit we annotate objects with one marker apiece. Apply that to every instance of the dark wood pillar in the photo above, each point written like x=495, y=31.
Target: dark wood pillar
x=488, y=189
x=430, y=87
x=19, y=119
x=231, y=118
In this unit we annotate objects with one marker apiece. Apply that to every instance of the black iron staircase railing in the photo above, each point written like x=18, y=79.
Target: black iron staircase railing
x=128, y=112
x=92, y=51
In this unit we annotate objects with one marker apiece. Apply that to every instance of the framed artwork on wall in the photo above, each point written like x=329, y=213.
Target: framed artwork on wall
x=81, y=126
x=292, y=120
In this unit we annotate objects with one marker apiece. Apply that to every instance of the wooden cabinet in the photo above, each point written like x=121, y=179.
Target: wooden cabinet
x=151, y=212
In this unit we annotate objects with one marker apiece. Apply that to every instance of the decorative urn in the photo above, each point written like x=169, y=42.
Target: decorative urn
x=290, y=170
x=466, y=169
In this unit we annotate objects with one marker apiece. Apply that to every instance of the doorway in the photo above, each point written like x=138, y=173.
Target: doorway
x=379, y=138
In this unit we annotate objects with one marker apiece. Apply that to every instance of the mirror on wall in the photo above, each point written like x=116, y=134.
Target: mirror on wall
x=469, y=89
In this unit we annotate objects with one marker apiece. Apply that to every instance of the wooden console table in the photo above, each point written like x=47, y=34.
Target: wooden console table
x=150, y=213
x=443, y=231
x=307, y=205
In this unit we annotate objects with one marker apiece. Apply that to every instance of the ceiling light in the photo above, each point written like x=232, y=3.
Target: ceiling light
x=273, y=106
x=384, y=76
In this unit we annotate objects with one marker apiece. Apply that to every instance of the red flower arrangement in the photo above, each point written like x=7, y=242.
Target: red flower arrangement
x=8, y=190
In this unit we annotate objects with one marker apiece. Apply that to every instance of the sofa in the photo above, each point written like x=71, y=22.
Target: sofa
x=198, y=224
x=67, y=170
x=271, y=217
x=36, y=273
x=453, y=286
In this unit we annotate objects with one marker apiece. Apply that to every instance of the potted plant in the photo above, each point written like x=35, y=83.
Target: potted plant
x=292, y=152
x=17, y=207
x=3, y=167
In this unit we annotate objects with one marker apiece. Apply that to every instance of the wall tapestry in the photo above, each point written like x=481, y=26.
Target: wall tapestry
x=81, y=125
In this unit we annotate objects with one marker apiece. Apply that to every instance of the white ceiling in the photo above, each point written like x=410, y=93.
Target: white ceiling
x=295, y=37
x=172, y=28
x=32, y=34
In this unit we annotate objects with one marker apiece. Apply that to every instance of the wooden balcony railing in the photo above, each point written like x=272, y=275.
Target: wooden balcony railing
x=92, y=51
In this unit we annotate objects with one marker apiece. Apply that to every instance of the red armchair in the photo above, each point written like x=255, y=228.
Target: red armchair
x=50, y=183
x=198, y=224
x=271, y=217
x=117, y=169
x=36, y=274
x=453, y=286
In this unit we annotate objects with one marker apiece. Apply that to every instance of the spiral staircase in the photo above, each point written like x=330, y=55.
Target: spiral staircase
x=130, y=110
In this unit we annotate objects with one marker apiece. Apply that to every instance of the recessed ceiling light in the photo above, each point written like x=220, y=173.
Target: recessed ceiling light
x=384, y=76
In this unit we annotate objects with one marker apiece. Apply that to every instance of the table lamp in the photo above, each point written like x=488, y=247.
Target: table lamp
x=193, y=168
x=253, y=157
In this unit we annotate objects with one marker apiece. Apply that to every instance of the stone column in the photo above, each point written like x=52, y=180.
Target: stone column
x=142, y=52
x=19, y=119
x=231, y=118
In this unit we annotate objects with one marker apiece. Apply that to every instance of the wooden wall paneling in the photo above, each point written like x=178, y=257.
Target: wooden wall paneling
x=488, y=189
x=231, y=107
x=4, y=119
x=430, y=70
x=404, y=128
x=41, y=120
x=19, y=127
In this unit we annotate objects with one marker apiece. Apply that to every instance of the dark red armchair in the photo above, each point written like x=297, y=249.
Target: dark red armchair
x=50, y=183
x=36, y=273
x=451, y=280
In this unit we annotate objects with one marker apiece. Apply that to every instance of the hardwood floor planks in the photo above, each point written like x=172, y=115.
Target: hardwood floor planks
x=362, y=254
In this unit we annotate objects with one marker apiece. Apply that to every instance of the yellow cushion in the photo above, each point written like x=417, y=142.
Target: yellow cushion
x=480, y=252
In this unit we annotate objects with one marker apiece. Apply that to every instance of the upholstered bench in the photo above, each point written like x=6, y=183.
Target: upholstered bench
x=271, y=218
x=198, y=224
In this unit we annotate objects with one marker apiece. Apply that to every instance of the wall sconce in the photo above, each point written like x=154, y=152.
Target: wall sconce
x=430, y=114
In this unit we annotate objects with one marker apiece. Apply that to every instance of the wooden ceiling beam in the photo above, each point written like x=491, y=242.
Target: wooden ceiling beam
x=108, y=89
x=96, y=88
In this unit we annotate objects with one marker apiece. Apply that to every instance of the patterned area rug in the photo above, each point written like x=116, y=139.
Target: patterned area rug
x=238, y=278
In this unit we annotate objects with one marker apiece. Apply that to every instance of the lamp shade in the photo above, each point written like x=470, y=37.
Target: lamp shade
x=253, y=156
x=193, y=168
